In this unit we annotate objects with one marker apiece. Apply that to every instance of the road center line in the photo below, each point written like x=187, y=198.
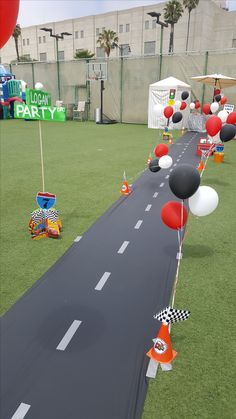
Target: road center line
x=155, y=195
x=167, y=176
x=179, y=156
x=138, y=224
x=78, y=238
x=162, y=184
x=148, y=207
x=171, y=170
x=177, y=160
x=21, y=411
x=69, y=335
x=175, y=164
x=123, y=247
x=102, y=281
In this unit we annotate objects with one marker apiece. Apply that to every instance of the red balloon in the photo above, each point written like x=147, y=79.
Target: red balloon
x=168, y=111
x=174, y=215
x=8, y=12
x=206, y=108
x=183, y=106
x=223, y=100
x=231, y=118
x=217, y=92
x=161, y=150
x=213, y=125
x=197, y=105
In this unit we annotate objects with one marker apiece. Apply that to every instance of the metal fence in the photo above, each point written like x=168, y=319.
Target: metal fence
x=127, y=85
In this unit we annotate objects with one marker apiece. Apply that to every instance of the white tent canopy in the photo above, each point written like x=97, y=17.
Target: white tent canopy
x=159, y=93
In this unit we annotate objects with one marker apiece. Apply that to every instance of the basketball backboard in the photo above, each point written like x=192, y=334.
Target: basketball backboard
x=96, y=71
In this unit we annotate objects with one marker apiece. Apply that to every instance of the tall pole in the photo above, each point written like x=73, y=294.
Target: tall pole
x=161, y=50
x=205, y=72
x=58, y=70
x=121, y=85
x=102, y=88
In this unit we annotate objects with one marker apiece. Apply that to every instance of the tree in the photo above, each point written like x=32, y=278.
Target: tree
x=16, y=34
x=172, y=12
x=107, y=40
x=190, y=5
x=23, y=59
x=84, y=53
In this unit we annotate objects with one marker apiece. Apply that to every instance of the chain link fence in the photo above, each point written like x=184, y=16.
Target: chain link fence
x=127, y=84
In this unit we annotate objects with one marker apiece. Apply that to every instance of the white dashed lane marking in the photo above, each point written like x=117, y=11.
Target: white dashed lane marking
x=138, y=224
x=148, y=207
x=102, y=281
x=123, y=247
x=177, y=159
x=78, y=238
x=167, y=176
x=175, y=164
x=162, y=184
x=21, y=411
x=69, y=335
x=171, y=170
x=155, y=195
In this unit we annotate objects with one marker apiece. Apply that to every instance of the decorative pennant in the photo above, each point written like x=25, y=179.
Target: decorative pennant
x=172, y=315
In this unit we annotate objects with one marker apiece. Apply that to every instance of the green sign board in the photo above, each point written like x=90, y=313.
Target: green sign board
x=38, y=97
x=45, y=113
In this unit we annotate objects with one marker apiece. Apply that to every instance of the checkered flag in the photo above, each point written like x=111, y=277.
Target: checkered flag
x=52, y=214
x=172, y=315
x=37, y=216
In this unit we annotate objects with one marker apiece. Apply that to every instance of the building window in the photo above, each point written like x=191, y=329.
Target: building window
x=26, y=56
x=27, y=41
x=23, y=42
x=127, y=27
x=149, y=48
x=154, y=24
x=146, y=24
x=40, y=39
x=61, y=56
x=81, y=34
x=76, y=34
x=234, y=43
x=100, y=53
x=121, y=28
x=124, y=50
x=43, y=56
x=44, y=39
x=97, y=31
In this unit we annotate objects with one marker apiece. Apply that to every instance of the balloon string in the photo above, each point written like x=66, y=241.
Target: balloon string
x=208, y=155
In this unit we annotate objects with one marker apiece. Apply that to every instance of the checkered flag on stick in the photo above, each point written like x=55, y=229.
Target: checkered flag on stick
x=172, y=315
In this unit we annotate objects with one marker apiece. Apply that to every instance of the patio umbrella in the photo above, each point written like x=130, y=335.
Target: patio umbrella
x=216, y=80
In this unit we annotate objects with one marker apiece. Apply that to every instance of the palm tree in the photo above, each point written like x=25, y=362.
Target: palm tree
x=172, y=12
x=107, y=40
x=190, y=5
x=15, y=35
x=84, y=53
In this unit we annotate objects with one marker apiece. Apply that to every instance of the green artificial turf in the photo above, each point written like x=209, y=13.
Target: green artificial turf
x=202, y=382
x=84, y=165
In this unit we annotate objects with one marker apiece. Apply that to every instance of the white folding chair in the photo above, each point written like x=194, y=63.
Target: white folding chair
x=79, y=112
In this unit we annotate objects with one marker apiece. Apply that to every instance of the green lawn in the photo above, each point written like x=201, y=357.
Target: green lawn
x=202, y=382
x=84, y=165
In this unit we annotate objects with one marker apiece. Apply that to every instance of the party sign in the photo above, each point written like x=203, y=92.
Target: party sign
x=38, y=97
x=45, y=113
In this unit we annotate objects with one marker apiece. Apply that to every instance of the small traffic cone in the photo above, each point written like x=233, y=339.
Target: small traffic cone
x=149, y=159
x=200, y=166
x=162, y=350
x=170, y=140
x=125, y=190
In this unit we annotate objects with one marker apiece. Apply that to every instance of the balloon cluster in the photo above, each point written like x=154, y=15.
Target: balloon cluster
x=223, y=124
x=184, y=182
x=169, y=112
x=163, y=161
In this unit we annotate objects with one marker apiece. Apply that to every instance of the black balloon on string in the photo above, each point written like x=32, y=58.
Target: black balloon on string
x=184, y=95
x=227, y=132
x=177, y=117
x=218, y=98
x=154, y=165
x=184, y=181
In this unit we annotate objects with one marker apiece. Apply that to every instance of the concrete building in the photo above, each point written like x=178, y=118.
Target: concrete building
x=212, y=27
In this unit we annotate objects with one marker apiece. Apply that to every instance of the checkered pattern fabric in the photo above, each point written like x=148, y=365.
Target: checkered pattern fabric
x=38, y=216
x=172, y=315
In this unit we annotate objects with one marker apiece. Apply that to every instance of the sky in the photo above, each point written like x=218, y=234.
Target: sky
x=35, y=12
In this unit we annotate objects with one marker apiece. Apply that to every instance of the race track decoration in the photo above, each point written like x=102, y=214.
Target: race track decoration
x=162, y=351
x=172, y=315
x=125, y=190
x=45, y=200
x=45, y=223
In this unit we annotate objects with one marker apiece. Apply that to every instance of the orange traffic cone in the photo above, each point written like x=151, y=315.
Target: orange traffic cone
x=149, y=159
x=162, y=350
x=125, y=190
x=200, y=166
x=170, y=140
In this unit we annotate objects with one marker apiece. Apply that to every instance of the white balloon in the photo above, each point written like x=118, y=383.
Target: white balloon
x=165, y=162
x=192, y=105
x=38, y=86
x=223, y=115
x=158, y=109
x=204, y=201
x=178, y=104
x=214, y=107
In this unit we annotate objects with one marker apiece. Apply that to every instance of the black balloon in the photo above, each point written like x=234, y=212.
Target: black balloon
x=154, y=165
x=184, y=181
x=227, y=132
x=218, y=98
x=177, y=117
x=184, y=95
